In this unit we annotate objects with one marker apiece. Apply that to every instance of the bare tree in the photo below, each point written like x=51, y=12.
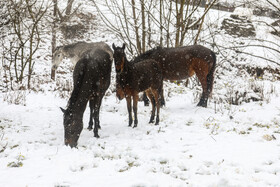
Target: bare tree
x=274, y=4
x=58, y=18
x=69, y=7
x=171, y=19
x=25, y=17
x=54, y=23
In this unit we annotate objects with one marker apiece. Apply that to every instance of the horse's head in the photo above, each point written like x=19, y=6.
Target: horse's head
x=72, y=128
x=119, y=57
x=58, y=56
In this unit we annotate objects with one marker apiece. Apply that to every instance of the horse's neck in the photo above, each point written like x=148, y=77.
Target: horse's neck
x=71, y=55
x=77, y=102
x=77, y=110
x=74, y=59
x=124, y=77
x=127, y=65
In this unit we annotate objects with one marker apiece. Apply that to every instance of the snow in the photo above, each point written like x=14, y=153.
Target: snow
x=191, y=146
x=222, y=145
x=243, y=12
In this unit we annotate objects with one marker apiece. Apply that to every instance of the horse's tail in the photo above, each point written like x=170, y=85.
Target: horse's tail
x=210, y=76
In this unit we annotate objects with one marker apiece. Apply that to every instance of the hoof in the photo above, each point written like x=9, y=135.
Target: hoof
x=134, y=126
x=130, y=123
x=89, y=128
x=202, y=103
x=162, y=103
x=96, y=136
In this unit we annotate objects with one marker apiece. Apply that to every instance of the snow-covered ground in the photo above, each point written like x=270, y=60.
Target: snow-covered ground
x=223, y=145
x=191, y=147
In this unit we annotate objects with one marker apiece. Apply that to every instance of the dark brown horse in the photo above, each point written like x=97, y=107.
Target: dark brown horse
x=133, y=78
x=183, y=62
x=92, y=75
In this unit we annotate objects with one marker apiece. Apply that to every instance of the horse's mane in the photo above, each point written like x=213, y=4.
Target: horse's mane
x=75, y=93
x=67, y=47
x=70, y=46
x=146, y=54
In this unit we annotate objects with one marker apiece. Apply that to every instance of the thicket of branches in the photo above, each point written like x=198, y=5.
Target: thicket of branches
x=145, y=24
x=21, y=31
x=142, y=25
x=22, y=40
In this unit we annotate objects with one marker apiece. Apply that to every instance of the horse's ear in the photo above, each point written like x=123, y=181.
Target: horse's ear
x=58, y=48
x=123, y=47
x=63, y=110
x=114, y=47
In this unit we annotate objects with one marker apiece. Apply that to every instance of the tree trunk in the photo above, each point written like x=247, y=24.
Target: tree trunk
x=143, y=26
x=179, y=20
x=138, y=42
x=54, y=34
x=160, y=22
x=69, y=7
x=201, y=24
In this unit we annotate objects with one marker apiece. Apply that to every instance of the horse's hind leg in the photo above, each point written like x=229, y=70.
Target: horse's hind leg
x=135, y=103
x=201, y=71
x=97, y=103
x=203, y=100
x=161, y=99
x=156, y=95
x=150, y=95
x=91, y=106
x=204, y=97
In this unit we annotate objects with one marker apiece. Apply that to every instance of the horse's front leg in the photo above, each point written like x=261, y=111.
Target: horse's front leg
x=91, y=106
x=128, y=103
x=135, y=103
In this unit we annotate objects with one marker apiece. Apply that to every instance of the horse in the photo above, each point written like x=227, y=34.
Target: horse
x=74, y=52
x=133, y=78
x=92, y=77
x=183, y=62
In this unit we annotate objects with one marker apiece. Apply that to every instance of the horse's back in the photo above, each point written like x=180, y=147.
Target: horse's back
x=146, y=73
x=78, y=49
x=99, y=61
x=97, y=46
x=177, y=62
x=95, y=65
x=147, y=65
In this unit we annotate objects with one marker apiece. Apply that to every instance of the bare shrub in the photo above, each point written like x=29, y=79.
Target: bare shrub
x=17, y=97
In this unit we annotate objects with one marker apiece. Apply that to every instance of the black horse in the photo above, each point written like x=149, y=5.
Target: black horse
x=182, y=62
x=133, y=78
x=92, y=76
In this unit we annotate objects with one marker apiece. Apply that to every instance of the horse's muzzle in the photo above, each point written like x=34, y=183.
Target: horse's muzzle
x=54, y=67
x=71, y=143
